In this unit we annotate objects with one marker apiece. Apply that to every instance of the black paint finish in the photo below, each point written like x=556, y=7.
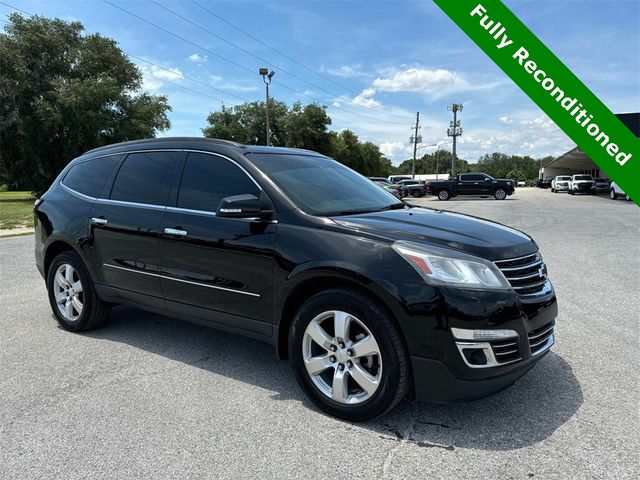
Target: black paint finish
x=249, y=275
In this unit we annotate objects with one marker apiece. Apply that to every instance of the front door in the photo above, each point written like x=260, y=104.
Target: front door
x=470, y=184
x=125, y=226
x=222, y=267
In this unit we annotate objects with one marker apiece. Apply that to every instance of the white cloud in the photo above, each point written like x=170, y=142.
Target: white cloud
x=195, y=58
x=394, y=149
x=154, y=77
x=506, y=120
x=346, y=71
x=365, y=98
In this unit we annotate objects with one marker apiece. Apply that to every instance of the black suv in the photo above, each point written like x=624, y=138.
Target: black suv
x=370, y=298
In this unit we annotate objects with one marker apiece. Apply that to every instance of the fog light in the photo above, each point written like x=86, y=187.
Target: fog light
x=475, y=356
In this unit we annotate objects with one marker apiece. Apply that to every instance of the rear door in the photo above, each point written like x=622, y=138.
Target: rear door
x=125, y=226
x=218, y=269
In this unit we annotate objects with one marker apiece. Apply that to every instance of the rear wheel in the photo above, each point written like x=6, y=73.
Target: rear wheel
x=416, y=193
x=348, y=355
x=612, y=194
x=444, y=195
x=72, y=295
x=500, y=194
x=627, y=197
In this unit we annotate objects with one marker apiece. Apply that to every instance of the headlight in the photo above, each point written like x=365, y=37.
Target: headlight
x=448, y=267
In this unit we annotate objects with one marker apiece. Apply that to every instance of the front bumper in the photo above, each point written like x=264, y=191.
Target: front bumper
x=561, y=188
x=442, y=372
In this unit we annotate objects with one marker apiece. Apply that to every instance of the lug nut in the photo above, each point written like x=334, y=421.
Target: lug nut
x=349, y=364
x=332, y=348
x=332, y=358
x=341, y=345
x=341, y=367
x=350, y=352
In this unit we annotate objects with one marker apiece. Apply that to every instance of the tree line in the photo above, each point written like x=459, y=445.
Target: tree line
x=63, y=92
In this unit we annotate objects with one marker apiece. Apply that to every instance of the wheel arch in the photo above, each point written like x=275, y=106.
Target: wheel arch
x=318, y=281
x=55, y=248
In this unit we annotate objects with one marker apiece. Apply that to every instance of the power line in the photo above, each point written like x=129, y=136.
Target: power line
x=280, y=69
x=16, y=9
x=237, y=64
x=180, y=74
x=272, y=48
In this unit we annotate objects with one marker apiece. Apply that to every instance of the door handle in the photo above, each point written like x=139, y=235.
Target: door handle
x=174, y=231
x=99, y=221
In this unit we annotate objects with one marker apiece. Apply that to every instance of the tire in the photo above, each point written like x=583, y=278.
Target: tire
x=416, y=193
x=500, y=194
x=627, y=197
x=444, y=195
x=553, y=190
x=570, y=192
x=387, y=371
x=80, y=308
x=612, y=194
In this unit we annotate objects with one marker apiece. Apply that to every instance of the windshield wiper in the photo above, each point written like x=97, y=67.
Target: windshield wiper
x=393, y=206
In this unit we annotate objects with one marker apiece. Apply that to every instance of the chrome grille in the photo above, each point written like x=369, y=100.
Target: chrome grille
x=541, y=339
x=506, y=351
x=527, y=275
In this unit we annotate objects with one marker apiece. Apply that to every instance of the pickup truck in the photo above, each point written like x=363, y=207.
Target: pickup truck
x=476, y=184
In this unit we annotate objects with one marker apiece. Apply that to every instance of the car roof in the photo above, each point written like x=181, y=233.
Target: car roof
x=196, y=143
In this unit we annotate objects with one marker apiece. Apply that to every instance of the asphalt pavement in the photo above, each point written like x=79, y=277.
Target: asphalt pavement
x=148, y=396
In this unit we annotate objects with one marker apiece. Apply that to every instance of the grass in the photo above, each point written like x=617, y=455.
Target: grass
x=16, y=210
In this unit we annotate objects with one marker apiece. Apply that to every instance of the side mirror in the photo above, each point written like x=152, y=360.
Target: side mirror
x=487, y=179
x=241, y=206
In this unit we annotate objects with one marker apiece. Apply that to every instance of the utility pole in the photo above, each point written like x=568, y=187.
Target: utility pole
x=266, y=78
x=415, y=139
x=455, y=130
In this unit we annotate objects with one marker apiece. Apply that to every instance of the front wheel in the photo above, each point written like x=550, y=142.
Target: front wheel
x=348, y=355
x=500, y=194
x=612, y=194
x=444, y=195
x=72, y=295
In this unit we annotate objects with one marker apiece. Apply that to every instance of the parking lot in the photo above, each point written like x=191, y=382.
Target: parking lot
x=147, y=396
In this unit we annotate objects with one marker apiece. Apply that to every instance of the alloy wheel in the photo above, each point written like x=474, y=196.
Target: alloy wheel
x=342, y=357
x=68, y=292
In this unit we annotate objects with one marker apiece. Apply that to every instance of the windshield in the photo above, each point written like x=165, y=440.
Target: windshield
x=322, y=186
x=564, y=178
x=582, y=177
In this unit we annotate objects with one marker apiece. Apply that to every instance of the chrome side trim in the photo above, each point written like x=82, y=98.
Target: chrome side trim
x=182, y=281
x=108, y=201
x=189, y=210
x=78, y=194
x=131, y=270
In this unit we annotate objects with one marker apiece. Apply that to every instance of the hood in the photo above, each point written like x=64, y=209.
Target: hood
x=472, y=235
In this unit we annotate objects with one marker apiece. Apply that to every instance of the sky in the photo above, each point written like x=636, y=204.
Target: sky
x=374, y=64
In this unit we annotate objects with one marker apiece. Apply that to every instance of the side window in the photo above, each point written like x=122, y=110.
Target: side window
x=142, y=177
x=472, y=177
x=207, y=179
x=89, y=177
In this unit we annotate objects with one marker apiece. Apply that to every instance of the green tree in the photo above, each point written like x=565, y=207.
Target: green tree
x=307, y=127
x=245, y=123
x=297, y=127
x=63, y=93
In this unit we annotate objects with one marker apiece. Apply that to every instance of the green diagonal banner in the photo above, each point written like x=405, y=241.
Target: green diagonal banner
x=552, y=86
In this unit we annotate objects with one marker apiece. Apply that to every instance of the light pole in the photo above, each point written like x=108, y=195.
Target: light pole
x=437, y=152
x=438, y=157
x=266, y=78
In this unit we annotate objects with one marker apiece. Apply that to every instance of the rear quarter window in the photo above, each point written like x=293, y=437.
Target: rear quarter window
x=89, y=177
